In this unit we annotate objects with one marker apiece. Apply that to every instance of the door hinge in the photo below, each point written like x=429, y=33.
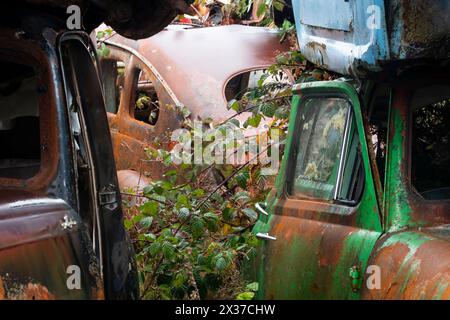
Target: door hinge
x=108, y=197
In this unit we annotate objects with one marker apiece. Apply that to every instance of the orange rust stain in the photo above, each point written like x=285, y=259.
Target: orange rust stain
x=35, y=292
x=2, y=290
x=391, y=259
x=419, y=277
x=30, y=291
x=99, y=293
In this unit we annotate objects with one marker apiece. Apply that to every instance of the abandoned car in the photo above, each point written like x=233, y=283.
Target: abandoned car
x=61, y=221
x=201, y=69
x=361, y=207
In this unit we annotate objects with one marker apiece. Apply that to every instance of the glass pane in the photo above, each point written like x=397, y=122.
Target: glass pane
x=323, y=122
x=430, y=170
x=352, y=184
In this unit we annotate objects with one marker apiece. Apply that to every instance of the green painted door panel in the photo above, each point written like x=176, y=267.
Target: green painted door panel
x=319, y=236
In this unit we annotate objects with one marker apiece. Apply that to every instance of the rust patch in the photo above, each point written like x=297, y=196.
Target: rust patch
x=2, y=290
x=29, y=291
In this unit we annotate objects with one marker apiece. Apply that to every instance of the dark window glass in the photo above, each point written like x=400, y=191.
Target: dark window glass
x=20, y=151
x=430, y=154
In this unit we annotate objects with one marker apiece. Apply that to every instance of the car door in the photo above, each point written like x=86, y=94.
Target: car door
x=45, y=249
x=323, y=216
x=147, y=112
x=86, y=104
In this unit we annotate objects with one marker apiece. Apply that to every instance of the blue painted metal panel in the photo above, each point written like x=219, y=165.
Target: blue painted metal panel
x=351, y=36
x=323, y=13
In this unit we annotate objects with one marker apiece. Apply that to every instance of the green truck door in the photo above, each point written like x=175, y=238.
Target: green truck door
x=324, y=220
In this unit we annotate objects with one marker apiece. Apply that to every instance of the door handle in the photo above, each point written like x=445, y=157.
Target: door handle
x=265, y=236
x=261, y=209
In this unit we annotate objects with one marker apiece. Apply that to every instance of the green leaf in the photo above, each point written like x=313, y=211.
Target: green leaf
x=146, y=222
x=268, y=109
x=235, y=122
x=262, y=79
x=282, y=113
x=154, y=248
x=245, y=296
x=261, y=9
x=179, y=280
x=198, y=193
x=128, y=224
x=221, y=264
x=254, y=286
x=228, y=214
x=242, y=178
x=171, y=173
x=168, y=250
x=279, y=5
x=183, y=213
x=251, y=214
x=212, y=221
x=234, y=105
x=167, y=185
x=254, y=121
x=197, y=227
x=182, y=201
x=242, y=196
x=100, y=34
x=150, y=208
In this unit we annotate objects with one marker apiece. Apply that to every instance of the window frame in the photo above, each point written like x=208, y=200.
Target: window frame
x=137, y=61
x=137, y=67
x=292, y=162
x=118, y=55
x=48, y=123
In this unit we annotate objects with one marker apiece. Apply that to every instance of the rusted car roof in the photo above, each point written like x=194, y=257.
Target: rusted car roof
x=135, y=19
x=197, y=63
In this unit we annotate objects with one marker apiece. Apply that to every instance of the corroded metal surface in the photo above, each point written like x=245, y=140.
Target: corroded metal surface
x=43, y=231
x=188, y=67
x=31, y=235
x=197, y=63
x=318, y=246
x=414, y=265
x=358, y=37
x=135, y=19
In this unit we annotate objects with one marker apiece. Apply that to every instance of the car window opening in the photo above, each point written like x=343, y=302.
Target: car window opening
x=146, y=107
x=378, y=128
x=20, y=152
x=322, y=151
x=242, y=83
x=430, y=150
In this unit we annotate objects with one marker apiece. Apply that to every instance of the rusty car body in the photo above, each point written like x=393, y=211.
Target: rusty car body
x=61, y=221
x=361, y=206
x=197, y=68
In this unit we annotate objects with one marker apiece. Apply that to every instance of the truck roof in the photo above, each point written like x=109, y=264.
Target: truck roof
x=355, y=37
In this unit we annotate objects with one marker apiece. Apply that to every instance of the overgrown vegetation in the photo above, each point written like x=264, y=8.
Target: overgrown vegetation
x=192, y=230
